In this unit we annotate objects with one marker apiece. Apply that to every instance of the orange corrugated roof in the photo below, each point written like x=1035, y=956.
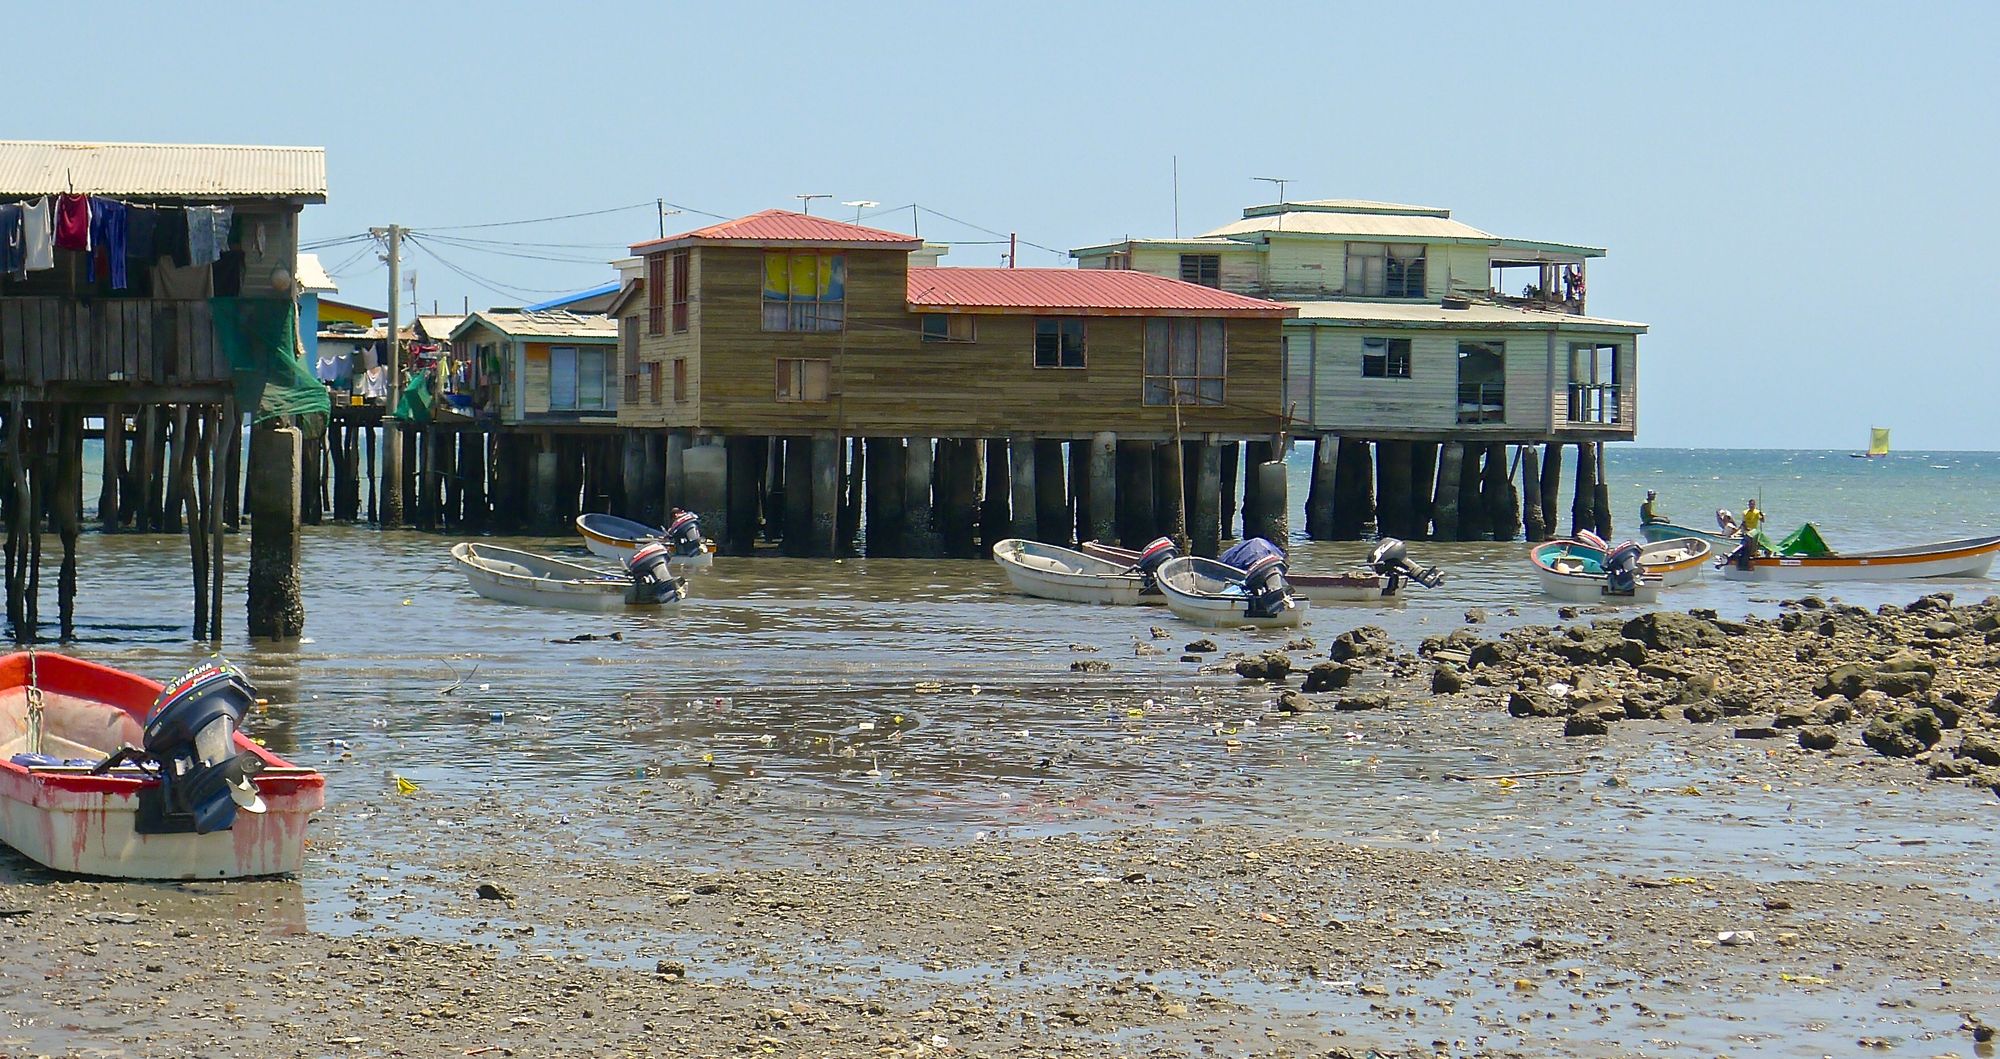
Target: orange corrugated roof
x=783, y=227
x=1079, y=291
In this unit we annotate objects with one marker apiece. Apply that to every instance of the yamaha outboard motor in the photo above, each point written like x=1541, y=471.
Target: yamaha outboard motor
x=1391, y=559
x=684, y=534
x=1621, y=569
x=1150, y=561
x=651, y=580
x=191, y=735
x=1266, y=588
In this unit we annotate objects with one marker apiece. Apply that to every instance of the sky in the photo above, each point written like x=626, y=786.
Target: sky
x=1798, y=198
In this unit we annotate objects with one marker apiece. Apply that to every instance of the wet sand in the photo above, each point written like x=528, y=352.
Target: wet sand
x=872, y=811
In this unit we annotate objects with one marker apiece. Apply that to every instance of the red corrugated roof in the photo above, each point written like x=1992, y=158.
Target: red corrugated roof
x=783, y=227
x=1078, y=291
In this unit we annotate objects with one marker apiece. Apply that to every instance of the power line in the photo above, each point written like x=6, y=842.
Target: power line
x=541, y=220
x=505, y=290
x=521, y=254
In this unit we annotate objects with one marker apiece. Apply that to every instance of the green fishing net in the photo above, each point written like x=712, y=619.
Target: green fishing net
x=259, y=336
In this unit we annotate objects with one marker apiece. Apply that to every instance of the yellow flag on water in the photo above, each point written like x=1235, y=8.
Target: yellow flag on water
x=404, y=786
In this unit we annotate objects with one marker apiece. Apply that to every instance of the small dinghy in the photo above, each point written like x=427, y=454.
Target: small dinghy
x=1587, y=571
x=1047, y=571
x=104, y=772
x=539, y=581
x=1389, y=566
x=1803, y=556
x=617, y=538
x=1210, y=593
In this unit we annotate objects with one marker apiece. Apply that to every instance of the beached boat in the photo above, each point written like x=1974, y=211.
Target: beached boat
x=1969, y=557
x=1050, y=572
x=1354, y=586
x=200, y=801
x=1574, y=570
x=618, y=538
x=540, y=581
x=1210, y=593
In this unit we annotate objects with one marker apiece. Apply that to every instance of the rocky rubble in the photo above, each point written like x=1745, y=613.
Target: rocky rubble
x=1916, y=682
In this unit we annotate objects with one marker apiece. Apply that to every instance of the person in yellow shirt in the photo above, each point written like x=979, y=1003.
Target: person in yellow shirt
x=1753, y=517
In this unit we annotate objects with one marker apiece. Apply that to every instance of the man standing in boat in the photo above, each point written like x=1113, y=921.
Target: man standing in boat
x=1753, y=518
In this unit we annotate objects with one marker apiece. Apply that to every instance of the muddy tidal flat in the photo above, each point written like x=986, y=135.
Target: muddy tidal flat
x=884, y=812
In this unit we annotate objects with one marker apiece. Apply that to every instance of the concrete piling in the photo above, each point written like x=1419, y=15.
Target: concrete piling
x=276, y=606
x=821, y=539
x=1503, y=507
x=1273, y=510
x=1135, y=493
x=1204, y=508
x=1023, y=501
x=1471, y=507
x=704, y=488
x=1392, y=489
x=1533, y=527
x=1583, y=506
x=1423, y=488
x=1601, y=495
x=958, y=496
x=920, y=531
x=1444, y=507
x=1552, y=476
x=1051, y=492
x=1353, y=490
x=1232, y=461
x=886, y=483
x=1101, y=495
x=1322, y=492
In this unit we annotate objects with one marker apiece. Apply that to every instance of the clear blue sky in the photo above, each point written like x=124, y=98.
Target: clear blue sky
x=1795, y=196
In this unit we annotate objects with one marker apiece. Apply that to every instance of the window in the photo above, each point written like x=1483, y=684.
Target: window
x=581, y=380
x=1059, y=343
x=799, y=380
x=680, y=379
x=1185, y=361
x=1385, y=270
x=680, y=302
x=1482, y=382
x=1595, y=383
x=1385, y=358
x=653, y=382
x=805, y=291
x=1118, y=261
x=628, y=348
x=656, y=294
x=947, y=327
x=1205, y=269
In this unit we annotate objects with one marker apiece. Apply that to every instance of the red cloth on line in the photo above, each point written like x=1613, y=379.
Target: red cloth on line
x=72, y=222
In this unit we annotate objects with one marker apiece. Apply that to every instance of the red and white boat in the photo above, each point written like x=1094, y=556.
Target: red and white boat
x=103, y=772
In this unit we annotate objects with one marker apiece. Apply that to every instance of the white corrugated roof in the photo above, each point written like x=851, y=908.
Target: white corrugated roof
x=1431, y=314
x=313, y=278
x=161, y=170
x=555, y=323
x=1347, y=206
x=1383, y=226
x=439, y=326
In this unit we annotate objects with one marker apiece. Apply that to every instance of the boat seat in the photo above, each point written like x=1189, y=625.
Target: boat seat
x=1044, y=564
x=52, y=745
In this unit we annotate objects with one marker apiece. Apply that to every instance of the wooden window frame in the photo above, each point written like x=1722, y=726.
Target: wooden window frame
x=1060, y=325
x=798, y=315
x=1411, y=279
x=656, y=294
x=628, y=351
x=1498, y=390
x=950, y=326
x=680, y=380
x=1160, y=385
x=682, y=268
x=795, y=380
x=1596, y=398
x=1385, y=362
x=1207, y=270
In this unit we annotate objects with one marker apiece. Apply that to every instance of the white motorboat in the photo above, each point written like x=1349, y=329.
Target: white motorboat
x=1047, y=571
x=618, y=538
x=1575, y=571
x=1210, y=593
x=514, y=576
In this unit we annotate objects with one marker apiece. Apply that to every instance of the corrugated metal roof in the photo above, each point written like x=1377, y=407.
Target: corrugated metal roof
x=598, y=291
x=1086, y=291
x=162, y=170
x=1346, y=206
x=313, y=278
x=1389, y=227
x=553, y=324
x=440, y=326
x=1431, y=314
x=783, y=227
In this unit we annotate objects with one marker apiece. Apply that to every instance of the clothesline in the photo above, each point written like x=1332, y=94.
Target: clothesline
x=112, y=232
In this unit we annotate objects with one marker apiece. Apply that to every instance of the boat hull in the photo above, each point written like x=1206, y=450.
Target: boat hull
x=617, y=538
x=1203, y=591
x=1046, y=571
x=1356, y=587
x=1676, y=561
x=532, y=580
x=69, y=820
x=1972, y=557
x=1666, y=531
x=1586, y=586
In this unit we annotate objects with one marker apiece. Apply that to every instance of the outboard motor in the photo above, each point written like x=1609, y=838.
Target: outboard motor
x=1150, y=561
x=651, y=580
x=1266, y=588
x=1621, y=569
x=684, y=534
x=191, y=736
x=1391, y=559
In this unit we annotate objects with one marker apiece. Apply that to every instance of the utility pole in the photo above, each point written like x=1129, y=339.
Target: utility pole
x=391, y=508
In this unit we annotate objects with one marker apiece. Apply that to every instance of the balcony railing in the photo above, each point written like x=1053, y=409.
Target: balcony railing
x=1596, y=403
